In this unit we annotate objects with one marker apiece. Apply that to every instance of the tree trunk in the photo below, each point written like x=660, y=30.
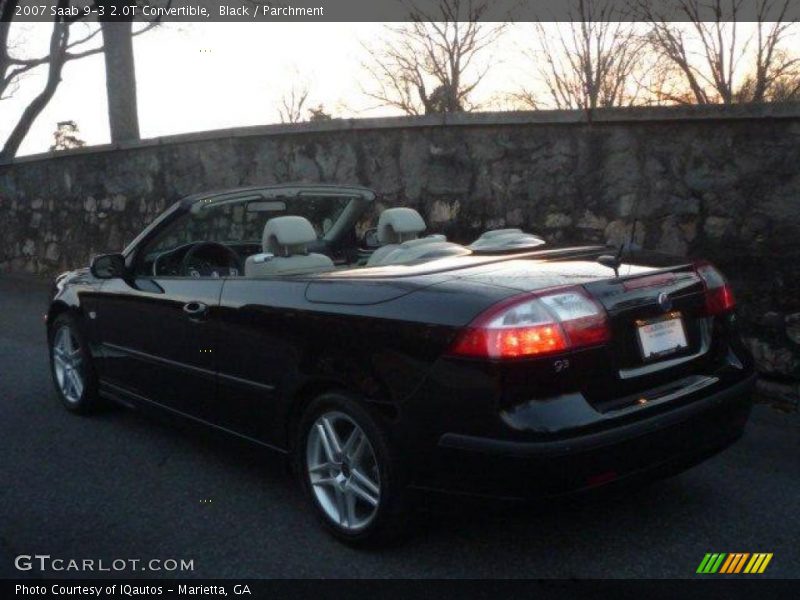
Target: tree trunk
x=123, y=114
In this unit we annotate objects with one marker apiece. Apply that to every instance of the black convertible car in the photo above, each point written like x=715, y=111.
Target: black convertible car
x=396, y=363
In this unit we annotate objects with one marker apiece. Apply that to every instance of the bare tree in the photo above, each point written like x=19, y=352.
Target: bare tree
x=777, y=72
x=430, y=65
x=785, y=89
x=12, y=68
x=63, y=49
x=705, y=57
x=293, y=102
x=588, y=62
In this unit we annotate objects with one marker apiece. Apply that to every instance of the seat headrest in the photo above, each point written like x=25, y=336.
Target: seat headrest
x=284, y=236
x=396, y=225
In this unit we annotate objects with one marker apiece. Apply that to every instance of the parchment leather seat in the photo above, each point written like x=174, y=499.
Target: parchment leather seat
x=286, y=239
x=396, y=226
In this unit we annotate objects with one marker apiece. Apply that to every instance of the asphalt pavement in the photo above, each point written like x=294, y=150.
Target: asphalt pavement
x=123, y=486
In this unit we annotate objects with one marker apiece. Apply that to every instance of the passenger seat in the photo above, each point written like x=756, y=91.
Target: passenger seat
x=286, y=239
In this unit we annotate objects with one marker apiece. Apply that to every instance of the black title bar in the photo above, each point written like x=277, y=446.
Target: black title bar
x=264, y=11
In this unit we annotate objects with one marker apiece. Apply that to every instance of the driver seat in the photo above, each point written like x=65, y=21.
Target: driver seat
x=286, y=239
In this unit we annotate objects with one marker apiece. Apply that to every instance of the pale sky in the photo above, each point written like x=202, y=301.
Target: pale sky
x=197, y=77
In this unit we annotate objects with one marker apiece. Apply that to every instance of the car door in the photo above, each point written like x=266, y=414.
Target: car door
x=157, y=340
x=264, y=329
x=156, y=325
x=262, y=337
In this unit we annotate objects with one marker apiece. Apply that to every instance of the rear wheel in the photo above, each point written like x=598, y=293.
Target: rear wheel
x=347, y=469
x=70, y=365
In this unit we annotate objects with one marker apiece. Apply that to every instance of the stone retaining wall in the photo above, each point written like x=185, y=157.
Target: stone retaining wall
x=718, y=182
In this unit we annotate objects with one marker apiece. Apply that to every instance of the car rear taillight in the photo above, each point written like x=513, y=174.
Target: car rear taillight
x=719, y=296
x=536, y=324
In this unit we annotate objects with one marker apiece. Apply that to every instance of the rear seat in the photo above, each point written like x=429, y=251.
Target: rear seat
x=395, y=226
x=398, y=230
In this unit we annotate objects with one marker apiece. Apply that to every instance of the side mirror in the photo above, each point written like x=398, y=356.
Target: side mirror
x=370, y=239
x=108, y=266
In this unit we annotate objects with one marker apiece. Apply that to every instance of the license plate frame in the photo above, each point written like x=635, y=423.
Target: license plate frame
x=674, y=330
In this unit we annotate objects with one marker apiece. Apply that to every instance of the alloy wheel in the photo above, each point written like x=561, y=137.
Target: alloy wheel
x=67, y=364
x=343, y=471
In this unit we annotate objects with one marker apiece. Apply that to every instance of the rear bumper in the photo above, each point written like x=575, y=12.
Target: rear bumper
x=525, y=469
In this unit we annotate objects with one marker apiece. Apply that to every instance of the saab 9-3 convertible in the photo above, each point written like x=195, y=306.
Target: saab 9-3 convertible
x=397, y=364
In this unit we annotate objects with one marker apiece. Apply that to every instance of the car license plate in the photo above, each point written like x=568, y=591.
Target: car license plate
x=661, y=336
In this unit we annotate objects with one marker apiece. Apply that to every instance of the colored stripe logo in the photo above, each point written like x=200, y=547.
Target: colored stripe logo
x=733, y=563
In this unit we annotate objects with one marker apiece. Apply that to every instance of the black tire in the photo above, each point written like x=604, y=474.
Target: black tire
x=89, y=399
x=390, y=520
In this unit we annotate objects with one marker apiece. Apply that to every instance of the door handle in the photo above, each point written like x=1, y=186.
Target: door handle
x=195, y=310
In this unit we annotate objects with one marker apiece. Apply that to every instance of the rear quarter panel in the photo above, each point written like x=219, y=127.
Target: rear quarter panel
x=277, y=349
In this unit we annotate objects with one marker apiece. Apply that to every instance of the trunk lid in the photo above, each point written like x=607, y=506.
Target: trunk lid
x=635, y=302
x=654, y=289
x=642, y=294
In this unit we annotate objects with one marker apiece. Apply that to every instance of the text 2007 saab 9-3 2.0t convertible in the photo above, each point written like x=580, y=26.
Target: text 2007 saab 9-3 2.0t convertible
x=400, y=364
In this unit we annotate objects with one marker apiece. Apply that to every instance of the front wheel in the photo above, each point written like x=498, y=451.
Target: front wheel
x=348, y=471
x=71, y=367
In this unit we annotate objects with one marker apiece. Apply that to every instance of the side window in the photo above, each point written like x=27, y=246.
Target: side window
x=214, y=238
x=208, y=241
